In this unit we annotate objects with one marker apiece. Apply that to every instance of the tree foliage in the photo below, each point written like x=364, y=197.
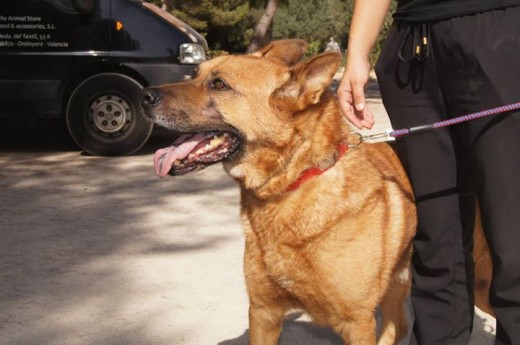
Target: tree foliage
x=226, y=24
x=315, y=21
x=229, y=24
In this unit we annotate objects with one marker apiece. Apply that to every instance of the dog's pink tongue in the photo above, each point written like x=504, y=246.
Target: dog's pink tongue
x=164, y=158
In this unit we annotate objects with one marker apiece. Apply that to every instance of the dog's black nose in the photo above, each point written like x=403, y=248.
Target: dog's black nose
x=150, y=97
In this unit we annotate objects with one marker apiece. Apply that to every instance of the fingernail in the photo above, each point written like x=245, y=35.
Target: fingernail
x=360, y=106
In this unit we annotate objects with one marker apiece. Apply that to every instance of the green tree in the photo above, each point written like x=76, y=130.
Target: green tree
x=314, y=21
x=263, y=31
x=222, y=22
x=226, y=24
x=230, y=24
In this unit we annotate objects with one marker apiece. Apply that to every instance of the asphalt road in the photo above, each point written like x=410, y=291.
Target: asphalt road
x=98, y=250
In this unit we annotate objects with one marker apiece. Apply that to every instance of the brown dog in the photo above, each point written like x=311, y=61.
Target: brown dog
x=327, y=229
x=483, y=268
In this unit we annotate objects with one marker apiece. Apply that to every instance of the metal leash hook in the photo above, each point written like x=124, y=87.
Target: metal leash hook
x=385, y=136
x=356, y=138
x=391, y=134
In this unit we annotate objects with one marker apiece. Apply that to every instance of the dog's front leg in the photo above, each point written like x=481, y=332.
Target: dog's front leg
x=267, y=304
x=265, y=325
x=361, y=331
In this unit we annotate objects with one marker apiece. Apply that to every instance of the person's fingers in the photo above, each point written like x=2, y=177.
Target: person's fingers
x=358, y=113
x=352, y=101
x=358, y=95
x=346, y=104
x=367, y=118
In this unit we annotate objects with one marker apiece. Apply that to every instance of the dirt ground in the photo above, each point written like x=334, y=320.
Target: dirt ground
x=100, y=251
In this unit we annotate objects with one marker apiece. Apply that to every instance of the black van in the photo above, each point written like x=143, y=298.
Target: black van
x=88, y=60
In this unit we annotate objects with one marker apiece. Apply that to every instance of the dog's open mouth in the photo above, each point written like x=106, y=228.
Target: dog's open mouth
x=195, y=151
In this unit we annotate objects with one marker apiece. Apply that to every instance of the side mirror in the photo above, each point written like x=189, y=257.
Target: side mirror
x=86, y=7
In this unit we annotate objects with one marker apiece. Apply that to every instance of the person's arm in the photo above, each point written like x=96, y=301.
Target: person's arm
x=367, y=21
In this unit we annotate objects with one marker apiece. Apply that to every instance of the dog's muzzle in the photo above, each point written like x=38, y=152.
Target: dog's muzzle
x=151, y=97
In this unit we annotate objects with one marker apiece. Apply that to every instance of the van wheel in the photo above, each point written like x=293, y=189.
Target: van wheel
x=105, y=117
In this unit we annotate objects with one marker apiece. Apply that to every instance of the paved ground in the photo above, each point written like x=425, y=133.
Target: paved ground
x=100, y=251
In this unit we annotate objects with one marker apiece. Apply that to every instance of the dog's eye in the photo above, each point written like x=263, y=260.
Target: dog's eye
x=218, y=84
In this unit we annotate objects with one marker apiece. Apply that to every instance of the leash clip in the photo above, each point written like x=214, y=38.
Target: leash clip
x=380, y=137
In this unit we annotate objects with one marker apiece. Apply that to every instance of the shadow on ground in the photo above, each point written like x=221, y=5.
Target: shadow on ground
x=98, y=250
x=306, y=333
x=296, y=332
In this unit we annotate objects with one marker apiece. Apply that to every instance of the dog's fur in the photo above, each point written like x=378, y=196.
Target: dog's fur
x=483, y=268
x=339, y=245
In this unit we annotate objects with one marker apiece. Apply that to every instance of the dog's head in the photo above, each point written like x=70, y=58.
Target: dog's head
x=243, y=109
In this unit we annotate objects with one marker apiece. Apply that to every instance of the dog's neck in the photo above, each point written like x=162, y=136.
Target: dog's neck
x=304, y=150
x=318, y=170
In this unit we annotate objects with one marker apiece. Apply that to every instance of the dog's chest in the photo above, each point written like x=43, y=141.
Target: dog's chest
x=286, y=267
x=288, y=240
x=288, y=259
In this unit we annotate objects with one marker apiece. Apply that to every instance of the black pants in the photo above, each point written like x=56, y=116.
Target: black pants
x=468, y=64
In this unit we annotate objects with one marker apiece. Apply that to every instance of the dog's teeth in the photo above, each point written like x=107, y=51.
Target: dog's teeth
x=216, y=141
x=177, y=162
x=191, y=156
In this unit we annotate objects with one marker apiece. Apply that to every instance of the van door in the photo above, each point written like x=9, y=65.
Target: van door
x=42, y=43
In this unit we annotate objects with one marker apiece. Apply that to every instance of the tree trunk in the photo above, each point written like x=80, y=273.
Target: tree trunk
x=166, y=5
x=262, y=33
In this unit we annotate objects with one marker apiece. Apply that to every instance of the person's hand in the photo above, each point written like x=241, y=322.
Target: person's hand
x=351, y=93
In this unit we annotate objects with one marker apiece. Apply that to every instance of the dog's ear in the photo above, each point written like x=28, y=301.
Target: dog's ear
x=309, y=80
x=287, y=51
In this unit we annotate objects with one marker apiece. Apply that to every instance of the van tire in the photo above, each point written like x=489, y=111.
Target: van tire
x=105, y=117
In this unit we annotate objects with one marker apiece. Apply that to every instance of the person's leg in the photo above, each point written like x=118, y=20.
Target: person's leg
x=480, y=69
x=442, y=307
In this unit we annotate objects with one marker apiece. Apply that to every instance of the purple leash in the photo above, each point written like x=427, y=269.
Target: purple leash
x=445, y=123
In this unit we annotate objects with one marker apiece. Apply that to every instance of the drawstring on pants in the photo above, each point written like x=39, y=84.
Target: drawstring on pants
x=421, y=42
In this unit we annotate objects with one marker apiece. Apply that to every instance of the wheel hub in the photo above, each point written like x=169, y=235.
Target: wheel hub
x=110, y=114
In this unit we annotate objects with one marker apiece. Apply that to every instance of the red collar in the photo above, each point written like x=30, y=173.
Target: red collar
x=316, y=171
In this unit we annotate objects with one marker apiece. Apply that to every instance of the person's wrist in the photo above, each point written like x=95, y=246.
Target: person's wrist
x=357, y=63
x=359, y=57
